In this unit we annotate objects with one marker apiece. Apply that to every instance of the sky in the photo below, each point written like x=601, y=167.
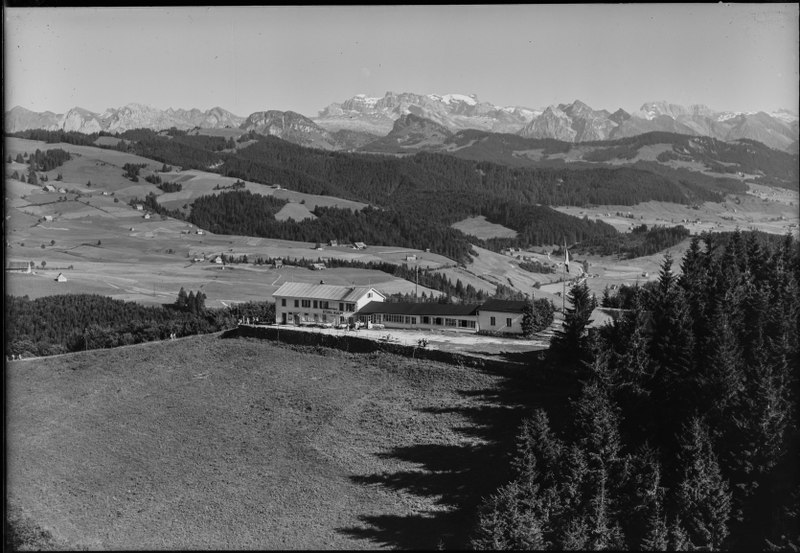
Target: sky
x=738, y=57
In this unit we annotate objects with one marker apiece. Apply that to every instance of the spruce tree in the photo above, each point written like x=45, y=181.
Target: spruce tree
x=703, y=497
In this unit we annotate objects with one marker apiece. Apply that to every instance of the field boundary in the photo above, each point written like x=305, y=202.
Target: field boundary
x=531, y=368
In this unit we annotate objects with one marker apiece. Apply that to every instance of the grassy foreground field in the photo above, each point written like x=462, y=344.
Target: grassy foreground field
x=213, y=443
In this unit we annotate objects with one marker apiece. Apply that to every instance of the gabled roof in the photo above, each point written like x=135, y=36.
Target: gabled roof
x=503, y=306
x=324, y=291
x=424, y=308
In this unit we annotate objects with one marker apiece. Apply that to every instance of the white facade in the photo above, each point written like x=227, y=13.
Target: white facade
x=500, y=321
x=299, y=303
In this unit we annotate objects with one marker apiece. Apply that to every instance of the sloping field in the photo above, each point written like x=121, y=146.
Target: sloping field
x=483, y=229
x=208, y=443
x=754, y=211
x=295, y=212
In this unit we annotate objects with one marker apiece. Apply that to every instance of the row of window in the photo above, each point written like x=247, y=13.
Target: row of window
x=320, y=304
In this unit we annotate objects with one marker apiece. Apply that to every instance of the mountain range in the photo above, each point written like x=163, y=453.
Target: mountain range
x=360, y=120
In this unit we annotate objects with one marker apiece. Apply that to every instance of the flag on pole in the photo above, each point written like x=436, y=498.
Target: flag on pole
x=566, y=257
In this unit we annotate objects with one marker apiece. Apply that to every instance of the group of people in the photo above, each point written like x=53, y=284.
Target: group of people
x=248, y=320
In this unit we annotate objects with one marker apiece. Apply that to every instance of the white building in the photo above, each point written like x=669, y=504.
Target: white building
x=425, y=315
x=502, y=316
x=301, y=303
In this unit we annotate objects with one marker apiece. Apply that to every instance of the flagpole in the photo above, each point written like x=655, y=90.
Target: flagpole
x=564, y=279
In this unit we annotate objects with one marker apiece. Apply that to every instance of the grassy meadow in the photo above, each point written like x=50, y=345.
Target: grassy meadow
x=213, y=443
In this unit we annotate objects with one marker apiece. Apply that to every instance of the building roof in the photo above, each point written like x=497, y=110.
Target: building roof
x=18, y=264
x=503, y=306
x=424, y=308
x=324, y=291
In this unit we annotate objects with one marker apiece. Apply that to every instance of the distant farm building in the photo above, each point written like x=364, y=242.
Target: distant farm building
x=49, y=188
x=61, y=278
x=277, y=264
x=218, y=260
x=48, y=218
x=359, y=245
x=300, y=303
x=139, y=207
x=19, y=267
x=411, y=258
x=318, y=266
x=198, y=231
x=333, y=243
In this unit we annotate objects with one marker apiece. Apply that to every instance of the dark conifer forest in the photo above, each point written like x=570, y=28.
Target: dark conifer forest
x=683, y=433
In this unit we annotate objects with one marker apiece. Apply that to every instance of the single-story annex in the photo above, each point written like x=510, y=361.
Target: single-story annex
x=421, y=315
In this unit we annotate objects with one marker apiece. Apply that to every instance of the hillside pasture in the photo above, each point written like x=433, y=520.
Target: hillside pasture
x=758, y=210
x=294, y=212
x=207, y=443
x=483, y=229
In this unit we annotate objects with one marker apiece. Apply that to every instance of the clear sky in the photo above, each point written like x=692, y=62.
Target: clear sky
x=741, y=57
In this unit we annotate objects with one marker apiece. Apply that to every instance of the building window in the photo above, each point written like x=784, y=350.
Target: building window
x=351, y=307
x=315, y=304
x=369, y=294
x=324, y=318
x=323, y=305
x=297, y=303
x=341, y=307
x=426, y=320
x=492, y=321
x=508, y=322
x=438, y=321
x=306, y=303
x=283, y=302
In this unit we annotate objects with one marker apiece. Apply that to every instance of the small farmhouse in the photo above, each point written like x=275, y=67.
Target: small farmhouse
x=139, y=207
x=48, y=218
x=317, y=266
x=300, y=303
x=19, y=267
x=333, y=243
x=359, y=245
x=61, y=278
x=218, y=260
x=277, y=264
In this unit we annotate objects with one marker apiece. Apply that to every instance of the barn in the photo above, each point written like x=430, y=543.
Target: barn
x=19, y=266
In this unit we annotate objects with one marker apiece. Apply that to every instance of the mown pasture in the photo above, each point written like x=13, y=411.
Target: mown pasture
x=212, y=443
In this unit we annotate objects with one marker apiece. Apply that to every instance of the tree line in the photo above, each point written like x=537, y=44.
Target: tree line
x=684, y=431
x=74, y=322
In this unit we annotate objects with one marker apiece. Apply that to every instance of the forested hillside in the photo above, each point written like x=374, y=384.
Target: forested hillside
x=684, y=431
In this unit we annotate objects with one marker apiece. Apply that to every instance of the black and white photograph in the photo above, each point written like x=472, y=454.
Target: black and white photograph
x=415, y=277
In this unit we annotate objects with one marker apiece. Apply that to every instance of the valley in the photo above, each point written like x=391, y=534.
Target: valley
x=86, y=229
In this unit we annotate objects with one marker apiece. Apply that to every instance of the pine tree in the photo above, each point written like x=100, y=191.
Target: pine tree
x=570, y=344
x=703, y=497
x=181, y=302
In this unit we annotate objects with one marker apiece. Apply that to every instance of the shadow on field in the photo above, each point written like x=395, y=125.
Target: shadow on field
x=457, y=477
